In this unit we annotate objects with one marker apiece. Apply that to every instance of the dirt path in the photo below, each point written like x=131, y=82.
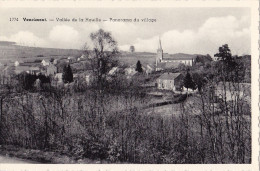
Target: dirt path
x=8, y=160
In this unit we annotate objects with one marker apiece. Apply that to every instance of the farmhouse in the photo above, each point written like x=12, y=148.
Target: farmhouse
x=167, y=61
x=58, y=77
x=45, y=62
x=27, y=69
x=148, y=69
x=51, y=69
x=55, y=61
x=170, y=81
x=229, y=91
x=18, y=62
x=72, y=59
x=130, y=71
x=86, y=76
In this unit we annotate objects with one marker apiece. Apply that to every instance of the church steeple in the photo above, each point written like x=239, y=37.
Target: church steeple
x=160, y=44
x=159, y=56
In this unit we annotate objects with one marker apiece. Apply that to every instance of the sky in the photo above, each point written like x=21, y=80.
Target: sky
x=181, y=30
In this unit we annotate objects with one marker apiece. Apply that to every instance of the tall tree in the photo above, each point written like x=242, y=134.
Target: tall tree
x=67, y=75
x=188, y=82
x=227, y=66
x=224, y=53
x=199, y=80
x=132, y=48
x=103, y=57
x=139, y=67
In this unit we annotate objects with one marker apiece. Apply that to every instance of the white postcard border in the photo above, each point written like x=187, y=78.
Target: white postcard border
x=253, y=4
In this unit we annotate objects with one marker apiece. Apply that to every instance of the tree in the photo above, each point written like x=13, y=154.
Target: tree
x=182, y=66
x=26, y=80
x=51, y=60
x=67, y=75
x=139, y=67
x=103, y=57
x=199, y=80
x=227, y=67
x=224, y=53
x=132, y=48
x=203, y=59
x=188, y=82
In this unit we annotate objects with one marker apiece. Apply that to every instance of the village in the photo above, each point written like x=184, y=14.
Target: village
x=158, y=99
x=81, y=68
x=164, y=74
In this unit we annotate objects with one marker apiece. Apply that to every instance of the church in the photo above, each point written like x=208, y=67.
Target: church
x=168, y=61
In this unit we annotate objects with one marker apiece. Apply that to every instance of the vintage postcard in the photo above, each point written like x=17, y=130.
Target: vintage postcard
x=129, y=85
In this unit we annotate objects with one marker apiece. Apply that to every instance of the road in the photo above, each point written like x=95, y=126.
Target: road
x=8, y=160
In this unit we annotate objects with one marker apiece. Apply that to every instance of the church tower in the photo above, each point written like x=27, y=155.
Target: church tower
x=159, y=56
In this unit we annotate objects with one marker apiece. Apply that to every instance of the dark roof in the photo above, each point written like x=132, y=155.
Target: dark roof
x=24, y=68
x=34, y=68
x=169, y=76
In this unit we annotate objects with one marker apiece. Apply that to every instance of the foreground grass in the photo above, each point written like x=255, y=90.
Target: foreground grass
x=47, y=157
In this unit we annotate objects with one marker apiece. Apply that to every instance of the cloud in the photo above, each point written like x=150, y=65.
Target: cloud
x=64, y=36
x=122, y=32
x=215, y=32
x=205, y=39
x=25, y=38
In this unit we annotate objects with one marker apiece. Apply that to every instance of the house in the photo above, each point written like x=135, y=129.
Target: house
x=58, y=77
x=83, y=57
x=170, y=81
x=20, y=69
x=86, y=76
x=167, y=61
x=34, y=70
x=45, y=62
x=231, y=91
x=18, y=62
x=55, y=61
x=27, y=69
x=51, y=70
x=72, y=59
x=148, y=69
x=130, y=71
x=113, y=71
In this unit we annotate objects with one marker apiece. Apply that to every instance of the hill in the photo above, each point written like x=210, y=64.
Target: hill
x=9, y=51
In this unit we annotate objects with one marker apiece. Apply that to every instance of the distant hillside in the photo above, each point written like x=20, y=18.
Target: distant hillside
x=180, y=55
x=9, y=51
x=5, y=43
x=149, y=58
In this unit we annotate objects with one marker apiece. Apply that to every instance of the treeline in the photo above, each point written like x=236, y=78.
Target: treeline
x=113, y=127
x=110, y=124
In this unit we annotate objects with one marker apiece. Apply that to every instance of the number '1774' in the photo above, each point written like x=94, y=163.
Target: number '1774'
x=14, y=19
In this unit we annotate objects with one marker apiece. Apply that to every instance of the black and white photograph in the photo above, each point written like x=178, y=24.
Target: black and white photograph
x=169, y=85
